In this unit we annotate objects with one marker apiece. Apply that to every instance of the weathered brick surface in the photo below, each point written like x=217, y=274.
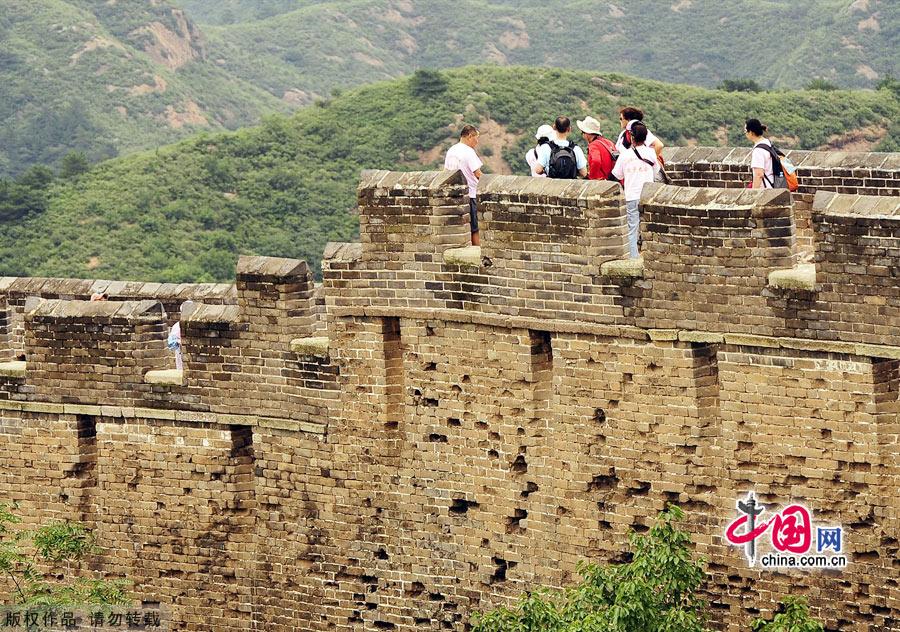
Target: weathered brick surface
x=474, y=429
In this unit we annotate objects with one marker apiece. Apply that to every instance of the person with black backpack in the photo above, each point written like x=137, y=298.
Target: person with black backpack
x=559, y=158
x=764, y=159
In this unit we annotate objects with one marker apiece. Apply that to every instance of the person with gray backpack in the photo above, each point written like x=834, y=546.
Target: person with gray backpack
x=559, y=158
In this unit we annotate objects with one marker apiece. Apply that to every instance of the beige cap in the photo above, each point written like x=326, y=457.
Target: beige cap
x=589, y=125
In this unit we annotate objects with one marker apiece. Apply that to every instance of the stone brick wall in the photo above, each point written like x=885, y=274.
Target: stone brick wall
x=474, y=425
x=858, y=173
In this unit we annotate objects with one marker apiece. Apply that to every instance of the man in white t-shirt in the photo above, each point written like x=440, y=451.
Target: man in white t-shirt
x=462, y=156
x=561, y=128
x=636, y=167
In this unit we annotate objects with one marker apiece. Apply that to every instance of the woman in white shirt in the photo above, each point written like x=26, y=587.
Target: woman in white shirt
x=636, y=166
x=543, y=136
x=760, y=159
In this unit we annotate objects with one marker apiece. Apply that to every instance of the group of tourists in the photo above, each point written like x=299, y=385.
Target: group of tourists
x=633, y=160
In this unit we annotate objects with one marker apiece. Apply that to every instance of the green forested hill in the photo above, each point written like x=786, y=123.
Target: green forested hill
x=310, y=47
x=285, y=188
x=109, y=77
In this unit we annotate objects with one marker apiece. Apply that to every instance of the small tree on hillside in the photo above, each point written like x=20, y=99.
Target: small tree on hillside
x=58, y=546
x=740, y=85
x=426, y=83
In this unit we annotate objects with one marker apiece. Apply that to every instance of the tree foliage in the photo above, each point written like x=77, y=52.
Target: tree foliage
x=26, y=555
x=657, y=591
x=426, y=83
x=794, y=616
x=740, y=85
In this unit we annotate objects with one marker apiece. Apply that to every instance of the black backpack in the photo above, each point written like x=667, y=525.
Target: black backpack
x=562, y=161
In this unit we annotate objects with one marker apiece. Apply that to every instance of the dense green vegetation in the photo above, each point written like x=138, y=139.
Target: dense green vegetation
x=656, y=590
x=77, y=75
x=185, y=211
x=314, y=46
x=108, y=78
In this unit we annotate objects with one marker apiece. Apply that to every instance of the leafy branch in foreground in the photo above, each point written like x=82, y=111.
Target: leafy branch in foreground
x=657, y=591
x=57, y=546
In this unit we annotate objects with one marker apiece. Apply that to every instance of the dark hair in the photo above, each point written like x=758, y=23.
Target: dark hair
x=754, y=126
x=467, y=130
x=638, y=132
x=632, y=114
x=562, y=124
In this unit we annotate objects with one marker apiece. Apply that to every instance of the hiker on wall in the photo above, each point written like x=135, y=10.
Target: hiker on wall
x=462, y=156
x=543, y=135
x=602, y=152
x=628, y=116
x=761, y=163
x=559, y=158
x=636, y=167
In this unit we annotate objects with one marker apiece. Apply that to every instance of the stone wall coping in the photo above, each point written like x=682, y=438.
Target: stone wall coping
x=165, y=414
x=173, y=377
x=492, y=185
x=851, y=205
x=271, y=267
x=802, y=158
x=469, y=256
x=802, y=277
x=622, y=331
x=49, y=287
x=15, y=369
x=411, y=180
x=342, y=251
x=109, y=310
x=623, y=268
x=204, y=313
x=315, y=346
x=713, y=199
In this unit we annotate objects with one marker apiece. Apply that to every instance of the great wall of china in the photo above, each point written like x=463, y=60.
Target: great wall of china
x=438, y=427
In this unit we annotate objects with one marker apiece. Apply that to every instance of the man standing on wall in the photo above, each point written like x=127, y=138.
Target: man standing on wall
x=462, y=156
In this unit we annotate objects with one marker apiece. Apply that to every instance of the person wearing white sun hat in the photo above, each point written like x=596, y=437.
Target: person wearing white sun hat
x=543, y=135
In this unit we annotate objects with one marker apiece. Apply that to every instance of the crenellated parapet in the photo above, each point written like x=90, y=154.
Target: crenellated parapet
x=61, y=348
x=439, y=427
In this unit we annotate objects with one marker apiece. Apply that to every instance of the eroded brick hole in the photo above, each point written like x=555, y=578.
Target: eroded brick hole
x=514, y=522
x=461, y=506
x=519, y=465
x=502, y=566
x=530, y=488
x=600, y=416
x=437, y=438
x=453, y=422
x=603, y=482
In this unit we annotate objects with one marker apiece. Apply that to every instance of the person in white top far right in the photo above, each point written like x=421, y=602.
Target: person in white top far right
x=636, y=166
x=760, y=159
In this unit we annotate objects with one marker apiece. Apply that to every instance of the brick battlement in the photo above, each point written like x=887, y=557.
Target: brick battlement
x=438, y=427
